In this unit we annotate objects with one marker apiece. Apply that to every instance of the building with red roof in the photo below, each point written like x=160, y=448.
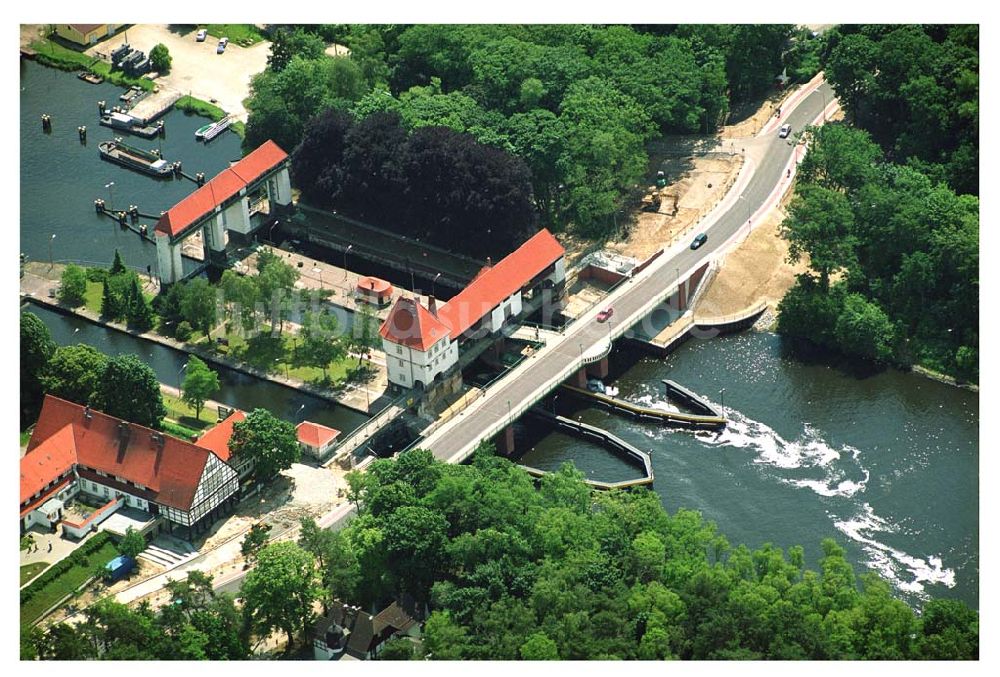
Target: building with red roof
x=316, y=439
x=421, y=343
x=75, y=449
x=232, y=201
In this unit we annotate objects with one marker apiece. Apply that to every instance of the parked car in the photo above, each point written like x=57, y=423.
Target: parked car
x=784, y=131
x=222, y=45
x=202, y=34
x=699, y=240
x=605, y=314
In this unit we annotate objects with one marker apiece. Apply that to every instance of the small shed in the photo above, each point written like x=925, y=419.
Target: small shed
x=374, y=290
x=316, y=439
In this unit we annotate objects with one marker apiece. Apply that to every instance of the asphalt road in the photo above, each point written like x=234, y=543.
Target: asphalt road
x=455, y=440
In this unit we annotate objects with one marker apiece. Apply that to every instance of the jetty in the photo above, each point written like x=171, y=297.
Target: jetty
x=707, y=421
x=613, y=443
x=155, y=105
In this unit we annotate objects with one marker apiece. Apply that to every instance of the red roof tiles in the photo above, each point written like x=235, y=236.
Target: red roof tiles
x=216, y=439
x=224, y=185
x=170, y=469
x=46, y=461
x=412, y=325
x=495, y=284
x=314, y=434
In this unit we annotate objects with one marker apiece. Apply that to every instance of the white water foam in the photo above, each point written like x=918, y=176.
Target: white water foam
x=894, y=564
x=810, y=452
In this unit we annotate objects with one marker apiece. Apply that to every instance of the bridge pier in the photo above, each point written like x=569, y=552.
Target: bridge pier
x=168, y=259
x=598, y=369
x=580, y=378
x=214, y=238
x=505, y=441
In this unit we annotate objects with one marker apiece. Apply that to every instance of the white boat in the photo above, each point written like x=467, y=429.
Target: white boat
x=211, y=130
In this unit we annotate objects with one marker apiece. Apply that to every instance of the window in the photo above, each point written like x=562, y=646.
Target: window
x=399, y=350
x=401, y=363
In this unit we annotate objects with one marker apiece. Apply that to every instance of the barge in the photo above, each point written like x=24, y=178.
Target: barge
x=145, y=161
x=213, y=129
x=92, y=78
x=127, y=123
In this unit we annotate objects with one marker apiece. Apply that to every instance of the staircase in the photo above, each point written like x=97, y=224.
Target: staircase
x=168, y=554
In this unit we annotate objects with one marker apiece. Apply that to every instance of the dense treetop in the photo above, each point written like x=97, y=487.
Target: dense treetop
x=575, y=103
x=513, y=571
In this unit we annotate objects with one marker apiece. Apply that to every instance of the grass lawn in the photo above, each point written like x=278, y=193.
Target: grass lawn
x=179, y=431
x=179, y=411
x=189, y=104
x=65, y=584
x=29, y=571
x=243, y=34
x=92, y=299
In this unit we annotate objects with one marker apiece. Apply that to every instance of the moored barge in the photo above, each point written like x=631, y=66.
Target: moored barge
x=145, y=161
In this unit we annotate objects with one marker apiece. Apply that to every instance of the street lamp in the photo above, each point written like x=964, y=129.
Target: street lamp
x=50, y=250
x=297, y=412
x=433, y=283
x=277, y=360
x=111, y=195
x=270, y=231
x=318, y=270
x=346, y=252
x=509, y=417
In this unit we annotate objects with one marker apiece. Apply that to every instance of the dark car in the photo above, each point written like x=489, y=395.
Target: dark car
x=699, y=241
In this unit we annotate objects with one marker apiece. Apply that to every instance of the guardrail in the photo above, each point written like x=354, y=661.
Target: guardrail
x=666, y=417
x=720, y=322
x=360, y=434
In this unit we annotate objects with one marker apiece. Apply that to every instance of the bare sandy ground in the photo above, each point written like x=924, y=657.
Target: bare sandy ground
x=223, y=79
x=756, y=270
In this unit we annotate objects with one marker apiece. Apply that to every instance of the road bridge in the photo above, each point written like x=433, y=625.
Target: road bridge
x=762, y=182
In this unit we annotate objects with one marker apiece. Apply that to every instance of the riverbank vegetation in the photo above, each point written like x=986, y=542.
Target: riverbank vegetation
x=575, y=104
x=889, y=217
x=51, y=53
x=510, y=570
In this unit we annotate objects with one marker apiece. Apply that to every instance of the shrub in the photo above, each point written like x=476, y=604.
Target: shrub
x=183, y=331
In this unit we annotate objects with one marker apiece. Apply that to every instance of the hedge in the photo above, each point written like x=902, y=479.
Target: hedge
x=79, y=557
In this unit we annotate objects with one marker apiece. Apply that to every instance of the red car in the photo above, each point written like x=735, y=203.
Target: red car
x=605, y=314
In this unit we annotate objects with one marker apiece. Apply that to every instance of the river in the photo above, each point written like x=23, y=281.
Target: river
x=887, y=463
x=237, y=389
x=67, y=176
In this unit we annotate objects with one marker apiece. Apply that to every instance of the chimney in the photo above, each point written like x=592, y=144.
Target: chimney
x=489, y=261
x=87, y=415
x=432, y=305
x=157, y=440
x=123, y=435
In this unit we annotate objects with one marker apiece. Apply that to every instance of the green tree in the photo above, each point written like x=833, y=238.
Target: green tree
x=241, y=294
x=364, y=334
x=864, y=329
x=139, y=312
x=74, y=372
x=539, y=647
x=199, y=304
x=285, y=45
x=132, y=543
x=128, y=389
x=279, y=592
x=320, y=343
x=444, y=640
x=399, y=649
x=37, y=348
x=254, y=541
x=200, y=384
x=118, y=265
x=73, y=286
x=819, y=224
x=269, y=443
x=160, y=57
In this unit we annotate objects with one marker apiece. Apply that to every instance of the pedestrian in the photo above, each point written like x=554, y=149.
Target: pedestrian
x=50, y=546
